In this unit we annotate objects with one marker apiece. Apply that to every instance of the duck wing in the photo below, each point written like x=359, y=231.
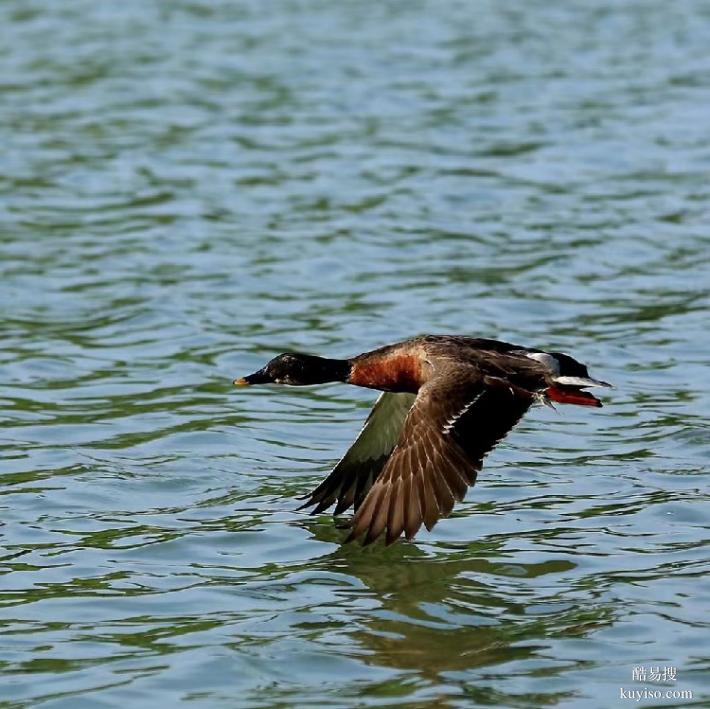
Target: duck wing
x=456, y=419
x=352, y=477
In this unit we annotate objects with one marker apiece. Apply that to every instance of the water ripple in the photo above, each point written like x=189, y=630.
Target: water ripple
x=189, y=190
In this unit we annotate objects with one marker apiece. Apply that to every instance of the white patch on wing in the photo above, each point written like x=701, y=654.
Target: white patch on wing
x=382, y=428
x=579, y=382
x=451, y=421
x=547, y=359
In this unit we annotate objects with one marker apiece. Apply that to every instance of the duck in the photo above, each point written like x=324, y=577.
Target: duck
x=446, y=401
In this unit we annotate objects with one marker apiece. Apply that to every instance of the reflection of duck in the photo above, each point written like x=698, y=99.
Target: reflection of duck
x=471, y=623
x=448, y=401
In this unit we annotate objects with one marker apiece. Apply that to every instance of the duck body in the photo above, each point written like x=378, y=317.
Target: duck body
x=447, y=401
x=406, y=366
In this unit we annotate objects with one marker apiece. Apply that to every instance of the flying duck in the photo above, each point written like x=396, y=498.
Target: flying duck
x=446, y=402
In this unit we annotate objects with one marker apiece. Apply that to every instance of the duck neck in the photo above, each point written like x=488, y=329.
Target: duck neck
x=322, y=369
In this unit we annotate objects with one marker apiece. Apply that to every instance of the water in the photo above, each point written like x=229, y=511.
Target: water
x=190, y=188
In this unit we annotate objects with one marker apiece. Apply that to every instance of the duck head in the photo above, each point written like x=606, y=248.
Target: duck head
x=298, y=370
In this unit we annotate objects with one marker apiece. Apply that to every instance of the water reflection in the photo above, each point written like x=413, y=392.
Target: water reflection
x=443, y=612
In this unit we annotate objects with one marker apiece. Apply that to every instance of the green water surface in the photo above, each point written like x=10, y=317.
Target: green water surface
x=188, y=188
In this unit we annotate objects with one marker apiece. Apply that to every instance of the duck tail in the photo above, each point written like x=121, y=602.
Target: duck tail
x=572, y=395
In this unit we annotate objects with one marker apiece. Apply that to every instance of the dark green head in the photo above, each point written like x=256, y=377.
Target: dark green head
x=298, y=370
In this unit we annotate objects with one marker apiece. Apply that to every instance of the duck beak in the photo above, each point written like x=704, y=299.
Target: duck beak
x=259, y=377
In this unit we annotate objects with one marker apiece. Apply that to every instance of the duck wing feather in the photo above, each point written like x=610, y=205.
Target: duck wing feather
x=457, y=418
x=353, y=476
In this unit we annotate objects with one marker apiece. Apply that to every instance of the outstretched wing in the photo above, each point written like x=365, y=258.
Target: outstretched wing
x=450, y=428
x=352, y=477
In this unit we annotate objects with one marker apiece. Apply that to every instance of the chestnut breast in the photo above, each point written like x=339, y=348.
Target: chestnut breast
x=393, y=371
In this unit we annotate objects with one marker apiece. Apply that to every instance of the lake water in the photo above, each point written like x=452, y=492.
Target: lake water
x=189, y=188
